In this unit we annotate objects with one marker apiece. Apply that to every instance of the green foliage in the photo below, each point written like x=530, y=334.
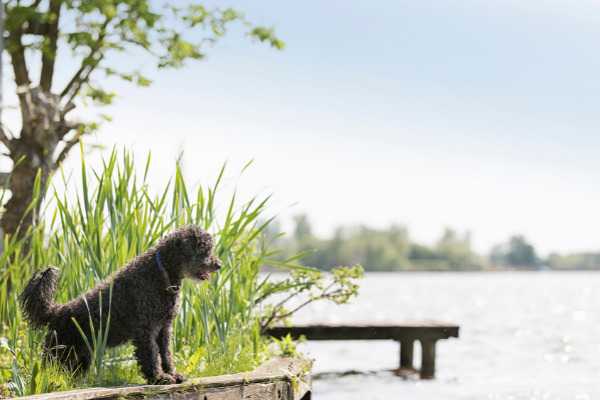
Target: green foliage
x=92, y=29
x=303, y=228
x=517, y=253
x=574, y=261
x=302, y=287
x=456, y=251
x=36, y=378
x=267, y=35
x=520, y=252
x=17, y=383
x=286, y=347
x=379, y=250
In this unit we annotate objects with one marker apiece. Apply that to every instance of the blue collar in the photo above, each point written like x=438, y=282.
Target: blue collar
x=160, y=266
x=170, y=289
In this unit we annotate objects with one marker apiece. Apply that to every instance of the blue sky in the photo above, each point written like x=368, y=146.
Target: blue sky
x=476, y=115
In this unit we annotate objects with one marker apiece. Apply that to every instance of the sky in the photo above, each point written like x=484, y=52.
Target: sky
x=480, y=116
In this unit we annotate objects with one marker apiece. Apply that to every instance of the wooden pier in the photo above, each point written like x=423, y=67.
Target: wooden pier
x=428, y=332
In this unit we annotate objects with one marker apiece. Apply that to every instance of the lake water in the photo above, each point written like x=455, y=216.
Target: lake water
x=523, y=335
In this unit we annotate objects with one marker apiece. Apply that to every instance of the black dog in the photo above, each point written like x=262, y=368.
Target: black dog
x=144, y=304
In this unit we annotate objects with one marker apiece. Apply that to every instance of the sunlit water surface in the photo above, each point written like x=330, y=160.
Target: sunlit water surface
x=523, y=335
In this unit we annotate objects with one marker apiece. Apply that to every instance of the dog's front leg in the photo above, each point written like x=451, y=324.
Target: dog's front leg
x=166, y=354
x=147, y=353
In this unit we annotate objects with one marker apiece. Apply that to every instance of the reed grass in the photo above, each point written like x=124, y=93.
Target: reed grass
x=105, y=217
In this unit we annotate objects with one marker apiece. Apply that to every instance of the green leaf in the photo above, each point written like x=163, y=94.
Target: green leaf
x=141, y=81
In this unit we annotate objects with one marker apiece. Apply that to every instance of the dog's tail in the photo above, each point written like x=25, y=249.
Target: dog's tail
x=37, y=300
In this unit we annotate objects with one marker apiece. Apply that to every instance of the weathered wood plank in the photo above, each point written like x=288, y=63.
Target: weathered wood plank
x=271, y=381
x=408, y=330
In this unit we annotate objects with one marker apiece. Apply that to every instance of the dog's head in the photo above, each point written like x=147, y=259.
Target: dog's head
x=194, y=247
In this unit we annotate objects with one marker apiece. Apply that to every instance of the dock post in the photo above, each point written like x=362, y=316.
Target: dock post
x=406, y=353
x=428, y=358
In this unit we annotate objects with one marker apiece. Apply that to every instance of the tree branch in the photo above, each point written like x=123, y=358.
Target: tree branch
x=275, y=317
x=63, y=154
x=83, y=79
x=73, y=81
x=4, y=138
x=78, y=79
x=65, y=128
x=17, y=54
x=66, y=109
x=49, y=54
x=35, y=4
x=27, y=107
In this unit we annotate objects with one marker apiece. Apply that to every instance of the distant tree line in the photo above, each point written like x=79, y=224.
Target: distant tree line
x=393, y=250
x=578, y=261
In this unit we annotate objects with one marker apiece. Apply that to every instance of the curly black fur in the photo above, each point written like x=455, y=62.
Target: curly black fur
x=141, y=310
x=37, y=299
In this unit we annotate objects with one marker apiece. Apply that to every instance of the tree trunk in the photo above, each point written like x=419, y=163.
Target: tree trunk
x=21, y=185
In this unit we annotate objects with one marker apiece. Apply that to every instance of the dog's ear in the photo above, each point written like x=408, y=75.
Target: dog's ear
x=184, y=241
x=184, y=246
x=206, y=241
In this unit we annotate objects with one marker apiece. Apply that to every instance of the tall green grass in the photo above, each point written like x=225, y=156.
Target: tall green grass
x=104, y=218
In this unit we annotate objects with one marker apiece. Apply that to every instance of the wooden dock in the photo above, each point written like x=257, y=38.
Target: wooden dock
x=428, y=332
x=277, y=379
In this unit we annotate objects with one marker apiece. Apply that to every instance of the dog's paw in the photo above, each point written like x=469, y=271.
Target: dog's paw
x=162, y=379
x=178, y=377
